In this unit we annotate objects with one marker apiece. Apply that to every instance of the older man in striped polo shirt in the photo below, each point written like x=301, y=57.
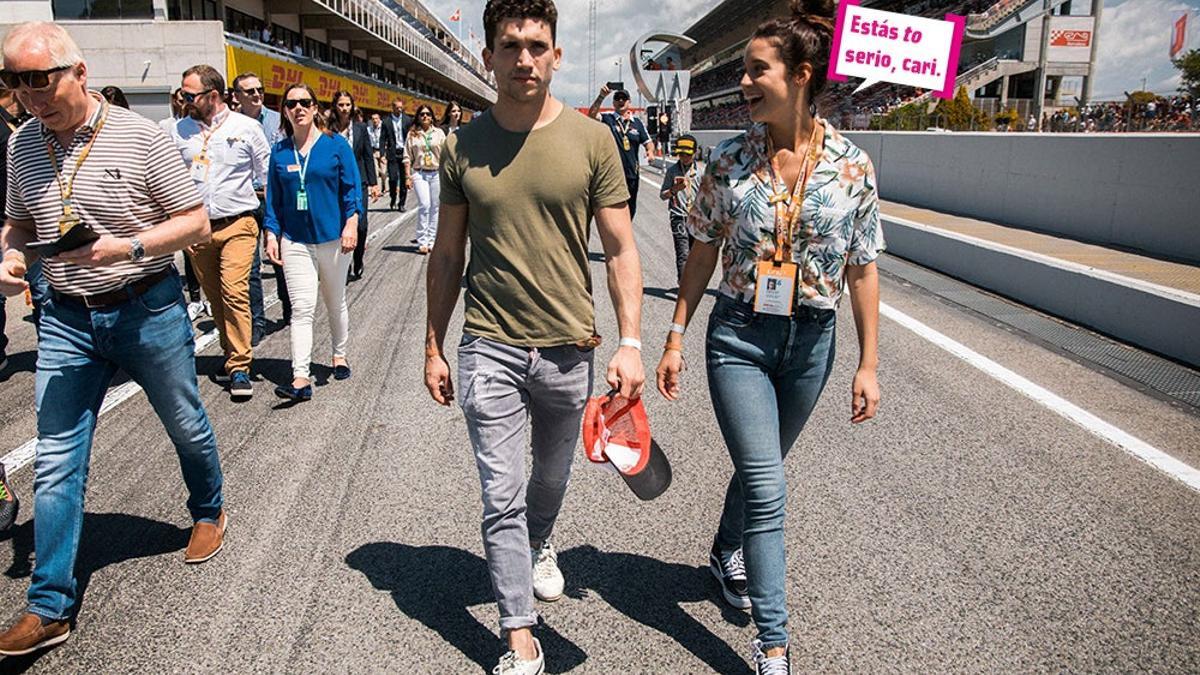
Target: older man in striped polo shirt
x=116, y=302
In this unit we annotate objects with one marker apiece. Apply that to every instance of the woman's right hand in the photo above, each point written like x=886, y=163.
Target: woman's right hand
x=273, y=249
x=670, y=368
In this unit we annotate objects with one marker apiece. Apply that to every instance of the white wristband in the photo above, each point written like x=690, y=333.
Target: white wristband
x=631, y=342
x=678, y=328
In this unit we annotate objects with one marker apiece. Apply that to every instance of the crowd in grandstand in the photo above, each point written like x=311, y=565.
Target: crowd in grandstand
x=1176, y=113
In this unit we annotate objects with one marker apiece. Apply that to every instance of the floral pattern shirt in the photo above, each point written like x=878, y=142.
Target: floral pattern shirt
x=839, y=216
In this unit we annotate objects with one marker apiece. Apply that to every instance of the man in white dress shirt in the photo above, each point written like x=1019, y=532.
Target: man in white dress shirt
x=227, y=156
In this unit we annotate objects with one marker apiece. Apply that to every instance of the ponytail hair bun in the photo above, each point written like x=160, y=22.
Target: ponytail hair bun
x=804, y=37
x=819, y=13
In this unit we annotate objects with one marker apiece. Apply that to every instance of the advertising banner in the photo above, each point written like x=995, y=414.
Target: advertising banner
x=277, y=74
x=1070, y=39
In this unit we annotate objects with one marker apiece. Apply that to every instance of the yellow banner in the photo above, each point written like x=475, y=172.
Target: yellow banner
x=277, y=74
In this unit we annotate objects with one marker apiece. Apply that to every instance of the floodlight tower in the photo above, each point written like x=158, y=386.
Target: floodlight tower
x=591, y=48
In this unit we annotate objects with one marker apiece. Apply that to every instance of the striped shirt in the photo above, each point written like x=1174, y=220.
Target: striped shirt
x=132, y=180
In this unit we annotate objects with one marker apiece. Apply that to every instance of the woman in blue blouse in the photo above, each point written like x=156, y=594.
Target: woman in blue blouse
x=312, y=228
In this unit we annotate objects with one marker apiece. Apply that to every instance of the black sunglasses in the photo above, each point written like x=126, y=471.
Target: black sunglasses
x=33, y=79
x=189, y=97
x=291, y=103
x=424, y=113
x=254, y=90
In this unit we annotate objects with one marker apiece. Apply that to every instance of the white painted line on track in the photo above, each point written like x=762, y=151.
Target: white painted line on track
x=1140, y=449
x=1131, y=444
x=23, y=454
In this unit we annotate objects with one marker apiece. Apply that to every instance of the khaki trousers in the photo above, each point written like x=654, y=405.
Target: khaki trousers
x=223, y=266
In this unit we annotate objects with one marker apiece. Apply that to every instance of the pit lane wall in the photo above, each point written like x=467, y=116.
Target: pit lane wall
x=1135, y=191
x=1130, y=191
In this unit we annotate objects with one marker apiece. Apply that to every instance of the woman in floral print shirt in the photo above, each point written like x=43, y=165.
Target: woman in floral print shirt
x=770, y=350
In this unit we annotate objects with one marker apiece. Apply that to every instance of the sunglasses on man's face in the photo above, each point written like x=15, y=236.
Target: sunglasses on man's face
x=189, y=97
x=31, y=79
x=291, y=103
x=254, y=90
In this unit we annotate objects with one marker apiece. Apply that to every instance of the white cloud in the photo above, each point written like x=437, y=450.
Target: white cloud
x=1134, y=41
x=619, y=24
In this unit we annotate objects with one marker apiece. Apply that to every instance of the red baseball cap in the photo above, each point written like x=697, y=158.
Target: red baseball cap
x=616, y=431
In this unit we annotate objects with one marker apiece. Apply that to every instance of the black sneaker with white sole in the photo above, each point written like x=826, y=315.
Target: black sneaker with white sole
x=730, y=571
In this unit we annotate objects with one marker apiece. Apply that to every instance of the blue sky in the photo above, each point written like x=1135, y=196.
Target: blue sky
x=1134, y=38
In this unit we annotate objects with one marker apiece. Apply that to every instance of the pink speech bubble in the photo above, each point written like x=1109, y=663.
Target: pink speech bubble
x=881, y=46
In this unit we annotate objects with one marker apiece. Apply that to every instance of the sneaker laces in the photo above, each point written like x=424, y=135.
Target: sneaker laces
x=736, y=567
x=545, y=554
x=508, y=663
x=769, y=665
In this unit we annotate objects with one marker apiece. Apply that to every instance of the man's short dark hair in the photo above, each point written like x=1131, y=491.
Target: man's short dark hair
x=501, y=10
x=237, y=81
x=210, y=78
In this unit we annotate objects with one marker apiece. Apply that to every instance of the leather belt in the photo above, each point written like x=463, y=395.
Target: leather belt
x=130, y=291
x=229, y=220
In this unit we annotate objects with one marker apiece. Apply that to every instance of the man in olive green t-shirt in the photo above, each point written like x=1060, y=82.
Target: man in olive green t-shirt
x=522, y=182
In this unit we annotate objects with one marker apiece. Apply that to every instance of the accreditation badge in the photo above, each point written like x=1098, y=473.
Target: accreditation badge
x=427, y=161
x=302, y=201
x=775, y=289
x=66, y=221
x=200, y=165
x=625, y=142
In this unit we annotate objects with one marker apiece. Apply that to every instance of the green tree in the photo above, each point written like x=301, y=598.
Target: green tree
x=959, y=114
x=1142, y=97
x=1007, y=118
x=1189, y=68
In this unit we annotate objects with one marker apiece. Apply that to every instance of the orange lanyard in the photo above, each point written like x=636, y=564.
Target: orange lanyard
x=67, y=190
x=208, y=137
x=788, y=206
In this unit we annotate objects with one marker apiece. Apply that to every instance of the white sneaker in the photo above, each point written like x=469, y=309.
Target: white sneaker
x=547, y=579
x=195, y=309
x=511, y=664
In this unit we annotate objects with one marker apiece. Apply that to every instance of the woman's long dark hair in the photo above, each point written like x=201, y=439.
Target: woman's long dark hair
x=805, y=37
x=446, y=115
x=415, y=128
x=335, y=120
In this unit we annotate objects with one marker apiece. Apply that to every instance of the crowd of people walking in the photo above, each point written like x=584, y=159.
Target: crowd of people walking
x=102, y=199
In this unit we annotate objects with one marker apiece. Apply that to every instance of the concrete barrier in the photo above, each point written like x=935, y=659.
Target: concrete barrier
x=1144, y=314
x=1135, y=191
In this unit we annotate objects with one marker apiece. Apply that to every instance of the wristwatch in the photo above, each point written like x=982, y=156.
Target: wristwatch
x=137, y=252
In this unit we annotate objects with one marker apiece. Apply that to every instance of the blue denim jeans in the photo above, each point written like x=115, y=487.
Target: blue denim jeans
x=765, y=374
x=79, y=351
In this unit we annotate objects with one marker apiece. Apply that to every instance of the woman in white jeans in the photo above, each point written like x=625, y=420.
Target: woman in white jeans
x=312, y=228
x=422, y=156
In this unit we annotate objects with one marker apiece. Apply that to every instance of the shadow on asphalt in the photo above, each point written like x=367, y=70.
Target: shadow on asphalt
x=107, y=539
x=21, y=362
x=671, y=294
x=650, y=591
x=402, y=249
x=436, y=584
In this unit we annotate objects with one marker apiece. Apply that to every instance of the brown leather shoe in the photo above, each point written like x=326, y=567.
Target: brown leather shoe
x=207, y=540
x=30, y=634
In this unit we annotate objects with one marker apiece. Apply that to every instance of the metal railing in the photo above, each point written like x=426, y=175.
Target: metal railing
x=373, y=17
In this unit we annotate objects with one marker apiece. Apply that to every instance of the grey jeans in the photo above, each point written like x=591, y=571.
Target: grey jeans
x=504, y=389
